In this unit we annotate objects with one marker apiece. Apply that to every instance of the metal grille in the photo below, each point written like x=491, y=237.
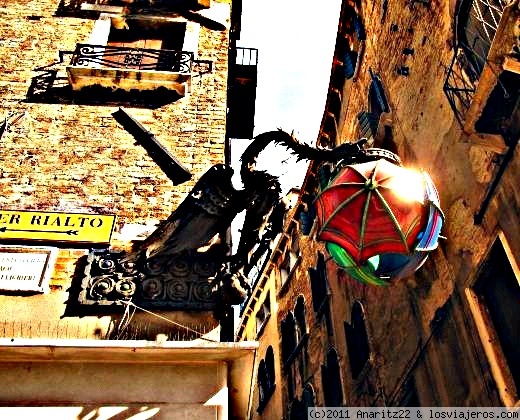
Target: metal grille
x=477, y=23
x=132, y=58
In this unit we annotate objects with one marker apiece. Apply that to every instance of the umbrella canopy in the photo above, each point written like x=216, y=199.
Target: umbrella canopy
x=373, y=208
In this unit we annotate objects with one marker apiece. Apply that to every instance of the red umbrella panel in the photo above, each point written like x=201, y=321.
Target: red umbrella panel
x=373, y=208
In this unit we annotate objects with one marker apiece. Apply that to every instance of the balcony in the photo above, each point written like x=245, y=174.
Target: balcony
x=481, y=79
x=130, y=69
x=93, y=7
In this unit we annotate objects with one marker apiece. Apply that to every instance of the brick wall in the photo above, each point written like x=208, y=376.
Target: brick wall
x=69, y=156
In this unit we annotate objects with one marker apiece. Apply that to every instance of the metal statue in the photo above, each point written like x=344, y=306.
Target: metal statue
x=185, y=262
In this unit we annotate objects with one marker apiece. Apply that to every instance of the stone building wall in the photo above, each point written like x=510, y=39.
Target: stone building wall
x=430, y=341
x=64, y=152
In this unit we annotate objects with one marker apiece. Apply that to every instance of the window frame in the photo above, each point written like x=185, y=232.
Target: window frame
x=266, y=379
x=332, y=381
x=355, y=331
x=505, y=384
x=264, y=311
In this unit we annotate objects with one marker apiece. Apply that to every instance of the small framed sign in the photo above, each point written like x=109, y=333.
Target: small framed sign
x=26, y=269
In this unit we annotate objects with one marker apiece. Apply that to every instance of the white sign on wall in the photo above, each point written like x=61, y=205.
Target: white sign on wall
x=26, y=268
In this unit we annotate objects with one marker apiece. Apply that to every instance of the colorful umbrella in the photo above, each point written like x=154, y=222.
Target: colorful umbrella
x=379, y=220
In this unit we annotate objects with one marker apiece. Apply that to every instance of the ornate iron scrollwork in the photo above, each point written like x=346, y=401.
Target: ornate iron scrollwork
x=132, y=58
x=181, y=282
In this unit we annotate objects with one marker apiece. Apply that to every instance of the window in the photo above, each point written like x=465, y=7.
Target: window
x=318, y=278
x=308, y=398
x=266, y=378
x=357, y=340
x=369, y=121
x=494, y=301
x=288, y=336
x=499, y=114
x=377, y=102
x=263, y=314
x=307, y=214
x=299, y=315
x=294, y=251
x=261, y=379
x=297, y=410
x=143, y=46
x=294, y=335
x=319, y=291
x=331, y=380
x=269, y=363
x=353, y=33
x=285, y=270
x=87, y=8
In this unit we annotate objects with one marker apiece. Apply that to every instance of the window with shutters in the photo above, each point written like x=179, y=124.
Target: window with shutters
x=288, y=336
x=370, y=120
x=299, y=316
x=357, y=340
x=318, y=279
x=331, y=380
x=266, y=379
x=262, y=315
x=353, y=33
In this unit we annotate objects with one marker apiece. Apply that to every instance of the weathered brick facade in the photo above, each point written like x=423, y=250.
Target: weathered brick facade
x=431, y=340
x=63, y=151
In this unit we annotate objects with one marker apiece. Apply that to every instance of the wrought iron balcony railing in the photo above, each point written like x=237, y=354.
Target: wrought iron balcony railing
x=477, y=25
x=106, y=56
x=460, y=84
x=84, y=7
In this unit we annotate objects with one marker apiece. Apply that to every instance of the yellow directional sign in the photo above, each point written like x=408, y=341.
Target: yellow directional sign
x=53, y=226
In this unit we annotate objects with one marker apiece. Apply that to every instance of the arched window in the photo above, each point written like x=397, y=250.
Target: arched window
x=261, y=379
x=357, y=340
x=265, y=379
x=331, y=379
x=299, y=315
x=288, y=336
x=318, y=277
x=269, y=368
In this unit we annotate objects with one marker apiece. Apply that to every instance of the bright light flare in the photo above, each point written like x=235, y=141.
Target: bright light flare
x=409, y=185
